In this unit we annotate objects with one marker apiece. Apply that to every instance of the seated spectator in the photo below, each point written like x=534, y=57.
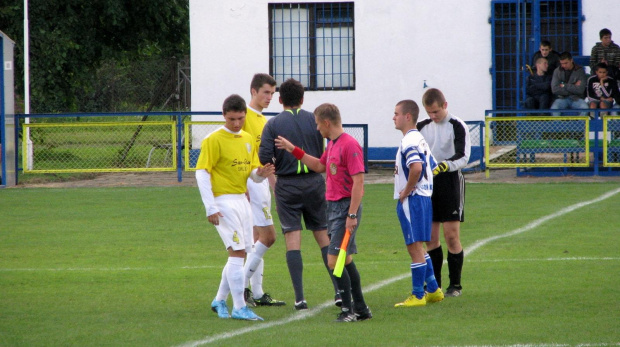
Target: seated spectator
x=545, y=51
x=602, y=89
x=538, y=87
x=606, y=52
x=568, y=85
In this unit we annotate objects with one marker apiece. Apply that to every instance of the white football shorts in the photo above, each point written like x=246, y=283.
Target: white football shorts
x=235, y=226
x=260, y=200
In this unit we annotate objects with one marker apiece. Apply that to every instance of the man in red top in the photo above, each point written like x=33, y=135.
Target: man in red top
x=343, y=161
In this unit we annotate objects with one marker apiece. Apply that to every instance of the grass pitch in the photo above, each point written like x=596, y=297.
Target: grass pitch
x=140, y=267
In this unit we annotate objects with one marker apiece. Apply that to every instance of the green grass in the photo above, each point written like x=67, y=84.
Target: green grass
x=140, y=266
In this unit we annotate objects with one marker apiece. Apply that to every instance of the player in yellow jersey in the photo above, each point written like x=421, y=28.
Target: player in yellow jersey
x=227, y=159
x=262, y=89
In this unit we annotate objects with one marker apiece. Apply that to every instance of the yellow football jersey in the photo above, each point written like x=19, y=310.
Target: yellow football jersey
x=229, y=158
x=254, y=124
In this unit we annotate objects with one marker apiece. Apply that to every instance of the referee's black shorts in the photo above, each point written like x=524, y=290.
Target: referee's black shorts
x=448, y=197
x=301, y=196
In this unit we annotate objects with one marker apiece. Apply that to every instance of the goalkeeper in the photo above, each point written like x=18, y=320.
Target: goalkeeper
x=448, y=137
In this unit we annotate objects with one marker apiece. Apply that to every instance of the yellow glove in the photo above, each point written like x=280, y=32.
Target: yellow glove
x=442, y=167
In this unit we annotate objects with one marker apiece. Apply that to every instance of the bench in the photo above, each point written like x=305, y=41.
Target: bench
x=547, y=136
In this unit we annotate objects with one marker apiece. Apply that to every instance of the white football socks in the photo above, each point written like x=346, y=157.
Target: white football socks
x=234, y=273
x=224, y=289
x=254, y=267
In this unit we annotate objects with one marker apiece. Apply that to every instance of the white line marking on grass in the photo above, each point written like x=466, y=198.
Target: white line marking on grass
x=379, y=285
x=549, y=345
x=199, y=267
x=541, y=259
x=542, y=220
x=103, y=269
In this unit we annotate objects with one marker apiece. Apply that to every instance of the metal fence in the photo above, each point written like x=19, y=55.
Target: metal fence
x=121, y=142
x=517, y=140
x=611, y=142
x=195, y=131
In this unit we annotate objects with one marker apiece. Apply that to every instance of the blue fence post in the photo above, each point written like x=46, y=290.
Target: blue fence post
x=180, y=142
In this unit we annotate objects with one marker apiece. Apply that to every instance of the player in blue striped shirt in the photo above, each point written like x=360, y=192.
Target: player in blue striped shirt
x=413, y=187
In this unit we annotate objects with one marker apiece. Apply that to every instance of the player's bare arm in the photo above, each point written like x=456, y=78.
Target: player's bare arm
x=357, y=192
x=415, y=170
x=313, y=163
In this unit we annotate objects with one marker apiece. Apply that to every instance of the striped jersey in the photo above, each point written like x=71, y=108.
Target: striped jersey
x=413, y=148
x=230, y=158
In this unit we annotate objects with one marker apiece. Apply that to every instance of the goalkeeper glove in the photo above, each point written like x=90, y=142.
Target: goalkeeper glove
x=442, y=167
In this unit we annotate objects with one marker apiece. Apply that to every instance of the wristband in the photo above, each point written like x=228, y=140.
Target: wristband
x=298, y=153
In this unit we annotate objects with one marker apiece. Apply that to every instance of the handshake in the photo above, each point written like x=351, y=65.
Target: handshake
x=442, y=167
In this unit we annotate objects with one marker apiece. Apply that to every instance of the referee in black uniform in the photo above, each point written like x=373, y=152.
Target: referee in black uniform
x=448, y=137
x=299, y=191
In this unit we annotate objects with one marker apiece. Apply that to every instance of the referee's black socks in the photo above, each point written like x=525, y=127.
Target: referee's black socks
x=455, y=266
x=296, y=269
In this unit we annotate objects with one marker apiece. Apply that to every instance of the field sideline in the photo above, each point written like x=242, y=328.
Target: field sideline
x=135, y=266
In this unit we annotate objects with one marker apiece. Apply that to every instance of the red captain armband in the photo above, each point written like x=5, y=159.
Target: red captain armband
x=298, y=153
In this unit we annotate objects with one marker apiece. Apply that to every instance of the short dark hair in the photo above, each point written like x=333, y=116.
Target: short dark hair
x=260, y=79
x=234, y=103
x=411, y=107
x=432, y=96
x=328, y=111
x=566, y=55
x=545, y=43
x=601, y=66
x=539, y=59
x=291, y=93
x=604, y=32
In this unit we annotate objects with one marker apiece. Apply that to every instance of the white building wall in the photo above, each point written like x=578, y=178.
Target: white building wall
x=398, y=46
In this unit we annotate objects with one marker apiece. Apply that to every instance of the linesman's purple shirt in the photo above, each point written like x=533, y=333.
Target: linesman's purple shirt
x=342, y=158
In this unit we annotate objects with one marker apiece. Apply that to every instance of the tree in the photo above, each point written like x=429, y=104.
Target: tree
x=69, y=40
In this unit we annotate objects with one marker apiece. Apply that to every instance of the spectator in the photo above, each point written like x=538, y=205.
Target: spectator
x=602, y=89
x=545, y=51
x=538, y=88
x=606, y=52
x=568, y=85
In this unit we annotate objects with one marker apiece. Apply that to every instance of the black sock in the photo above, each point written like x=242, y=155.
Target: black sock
x=296, y=269
x=455, y=266
x=344, y=282
x=437, y=260
x=356, y=287
x=331, y=273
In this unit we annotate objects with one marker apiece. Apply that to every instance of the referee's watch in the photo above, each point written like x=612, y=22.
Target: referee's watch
x=352, y=215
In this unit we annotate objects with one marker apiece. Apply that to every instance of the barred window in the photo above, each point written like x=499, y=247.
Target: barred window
x=313, y=43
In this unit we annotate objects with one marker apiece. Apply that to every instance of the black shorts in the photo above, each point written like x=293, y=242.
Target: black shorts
x=301, y=195
x=337, y=214
x=448, y=197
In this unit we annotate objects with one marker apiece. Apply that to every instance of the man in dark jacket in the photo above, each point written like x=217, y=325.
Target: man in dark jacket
x=545, y=51
x=538, y=87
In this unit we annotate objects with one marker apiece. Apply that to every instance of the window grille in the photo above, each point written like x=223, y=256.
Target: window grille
x=314, y=44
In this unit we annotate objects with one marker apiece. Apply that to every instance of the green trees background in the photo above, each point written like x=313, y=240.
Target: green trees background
x=73, y=41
